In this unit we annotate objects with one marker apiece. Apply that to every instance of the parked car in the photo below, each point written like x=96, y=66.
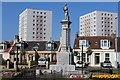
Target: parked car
x=41, y=61
x=107, y=64
x=79, y=64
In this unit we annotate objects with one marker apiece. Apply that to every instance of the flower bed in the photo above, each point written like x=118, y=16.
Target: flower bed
x=8, y=74
x=79, y=76
x=106, y=76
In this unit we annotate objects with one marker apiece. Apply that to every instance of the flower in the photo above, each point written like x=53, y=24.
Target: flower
x=106, y=76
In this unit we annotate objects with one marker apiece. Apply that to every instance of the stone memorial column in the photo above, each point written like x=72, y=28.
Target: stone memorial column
x=64, y=56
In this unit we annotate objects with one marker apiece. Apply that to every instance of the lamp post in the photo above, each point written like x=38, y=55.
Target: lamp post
x=35, y=48
x=82, y=58
x=18, y=45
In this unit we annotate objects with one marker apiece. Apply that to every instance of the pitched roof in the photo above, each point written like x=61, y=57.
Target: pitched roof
x=4, y=42
x=9, y=45
x=92, y=40
x=41, y=45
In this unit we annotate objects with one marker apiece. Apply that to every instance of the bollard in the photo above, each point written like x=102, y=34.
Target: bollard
x=47, y=65
x=8, y=64
x=29, y=64
x=61, y=73
x=15, y=65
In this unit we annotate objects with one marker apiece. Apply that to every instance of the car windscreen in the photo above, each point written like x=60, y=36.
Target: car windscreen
x=79, y=62
x=42, y=59
x=107, y=62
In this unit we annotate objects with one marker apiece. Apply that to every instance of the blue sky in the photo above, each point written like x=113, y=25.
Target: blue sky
x=11, y=11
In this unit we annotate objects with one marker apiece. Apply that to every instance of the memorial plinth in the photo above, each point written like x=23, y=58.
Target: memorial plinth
x=63, y=63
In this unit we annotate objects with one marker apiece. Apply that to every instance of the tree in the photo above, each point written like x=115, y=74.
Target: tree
x=76, y=53
x=89, y=52
x=12, y=52
x=22, y=52
x=3, y=61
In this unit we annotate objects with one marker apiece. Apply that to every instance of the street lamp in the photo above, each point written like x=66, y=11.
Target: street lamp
x=81, y=47
x=19, y=45
x=82, y=58
x=35, y=48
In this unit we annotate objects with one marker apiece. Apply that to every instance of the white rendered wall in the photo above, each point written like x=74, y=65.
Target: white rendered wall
x=5, y=55
x=111, y=52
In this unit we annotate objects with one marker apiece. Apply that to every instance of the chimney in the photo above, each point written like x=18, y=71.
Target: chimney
x=16, y=38
x=113, y=35
x=76, y=35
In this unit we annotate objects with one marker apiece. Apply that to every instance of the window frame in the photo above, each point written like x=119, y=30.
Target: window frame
x=107, y=58
x=85, y=43
x=105, y=44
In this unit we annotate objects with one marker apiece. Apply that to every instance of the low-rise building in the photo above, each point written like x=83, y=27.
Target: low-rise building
x=36, y=49
x=5, y=47
x=97, y=49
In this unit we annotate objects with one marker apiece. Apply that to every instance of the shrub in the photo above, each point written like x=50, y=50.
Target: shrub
x=33, y=63
x=12, y=52
x=22, y=63
x=4, y=62
x=11, y=65
x=101, y=64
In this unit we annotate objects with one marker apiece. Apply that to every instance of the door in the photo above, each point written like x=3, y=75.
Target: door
x=97, y=58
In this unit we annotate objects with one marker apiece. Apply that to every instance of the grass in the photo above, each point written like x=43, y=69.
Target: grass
x=99, y=71
x=7, y=70
x=105, y=71
x=9, y=78
x=27, y=70
x=15, y=70
x=67, y=79
x=116, y=72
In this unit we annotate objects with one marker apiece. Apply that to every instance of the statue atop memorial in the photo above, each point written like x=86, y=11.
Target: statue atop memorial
x=66, y=12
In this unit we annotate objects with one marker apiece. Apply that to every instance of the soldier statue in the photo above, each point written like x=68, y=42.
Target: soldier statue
x=66, y=12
